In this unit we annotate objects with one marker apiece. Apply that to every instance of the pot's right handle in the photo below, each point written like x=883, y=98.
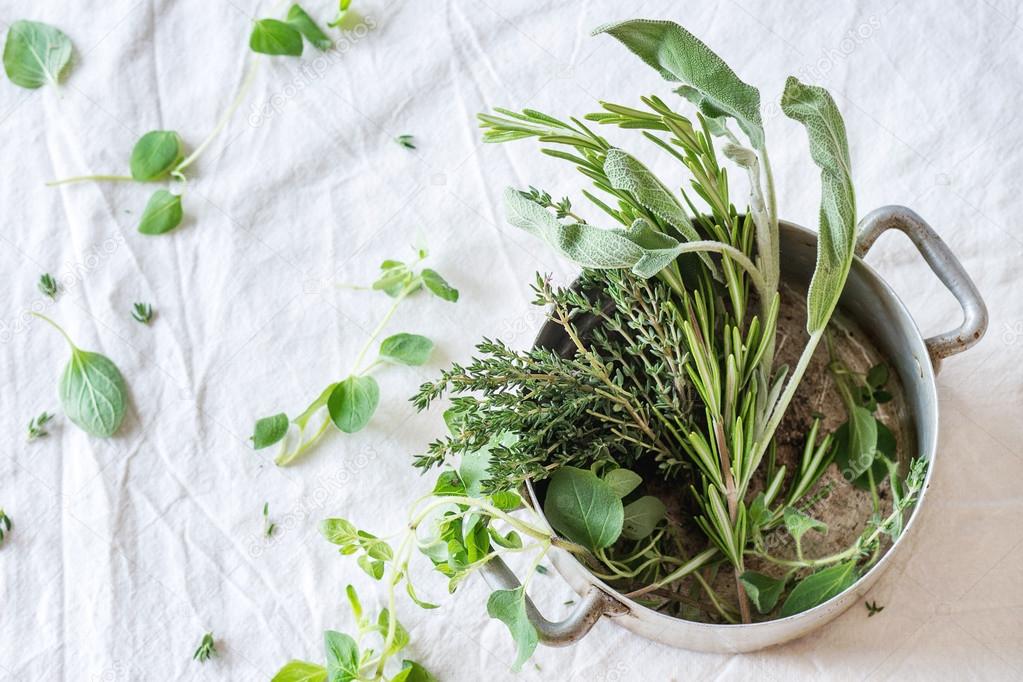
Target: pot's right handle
x=944, y=264
x=594, y=604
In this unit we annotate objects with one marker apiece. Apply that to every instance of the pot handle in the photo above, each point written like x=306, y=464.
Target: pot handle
x=594, y=604
x=943, y=263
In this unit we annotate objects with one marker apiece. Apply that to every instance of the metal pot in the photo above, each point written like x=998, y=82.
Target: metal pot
x=869, y=301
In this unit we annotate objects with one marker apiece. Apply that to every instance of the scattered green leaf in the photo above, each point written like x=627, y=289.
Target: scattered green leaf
x=36, y=54
x=162, y=214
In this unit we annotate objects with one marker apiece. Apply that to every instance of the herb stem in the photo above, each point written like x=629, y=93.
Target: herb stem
x=91, y=178
x=58, y=328
x=224, y=119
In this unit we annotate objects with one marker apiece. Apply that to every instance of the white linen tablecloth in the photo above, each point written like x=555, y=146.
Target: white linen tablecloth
x=125, y=551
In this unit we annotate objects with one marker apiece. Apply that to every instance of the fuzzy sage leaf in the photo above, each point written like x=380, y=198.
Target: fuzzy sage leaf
x=813, y=107
x=680, y=56
x=36, y=54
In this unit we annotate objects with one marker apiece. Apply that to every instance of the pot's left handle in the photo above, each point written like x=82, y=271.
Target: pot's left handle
x=594, y=604
x=944, y=264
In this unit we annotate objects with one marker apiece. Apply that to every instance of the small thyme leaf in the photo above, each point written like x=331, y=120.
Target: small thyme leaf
x=268, y=526
x=36, y=427
x=48, y=286
x=873, y=608
x=5, y=524
x=142, y=312
x=406, y=141
x=207, y=648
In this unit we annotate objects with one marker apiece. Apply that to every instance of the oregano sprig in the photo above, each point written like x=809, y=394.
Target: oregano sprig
x=350, y=402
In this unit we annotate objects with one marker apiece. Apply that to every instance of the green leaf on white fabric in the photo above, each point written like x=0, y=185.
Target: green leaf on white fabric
x=36, y=54
x=815, y=109
x=509, y=607
x=679, y=56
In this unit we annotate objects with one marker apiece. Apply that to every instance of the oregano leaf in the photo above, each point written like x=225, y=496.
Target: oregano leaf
x=36, y=54
x=342, y=656
x=641, y=517
x=273, y=37
x=406, y=349
x=438, y=286
x=583, y=508
x=352, y=403
x=300, y=671
x=155, y=155
x=270, y=430
x=305, y=25
x=162, y=214
x=509, y=607
x=762, y=590
x=819, y=587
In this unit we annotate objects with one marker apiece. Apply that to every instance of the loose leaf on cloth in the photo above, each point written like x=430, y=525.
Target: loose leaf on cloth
x=406, y=349
x=155, y=155
x=273, y=37
x=270, y=430
x=509, y=607
x=680, y=56
x=91, y=389
x=162, y=214
x=583, y=508
x=352, y=403
x=438, y=286
x=300, y=671
x=304, y=24
x=36, y=54
x=819, y=587
x=813, y=107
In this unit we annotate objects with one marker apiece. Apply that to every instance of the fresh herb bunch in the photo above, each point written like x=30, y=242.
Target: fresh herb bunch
x=710, y=280
x=622, y=394
x=351, y=402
